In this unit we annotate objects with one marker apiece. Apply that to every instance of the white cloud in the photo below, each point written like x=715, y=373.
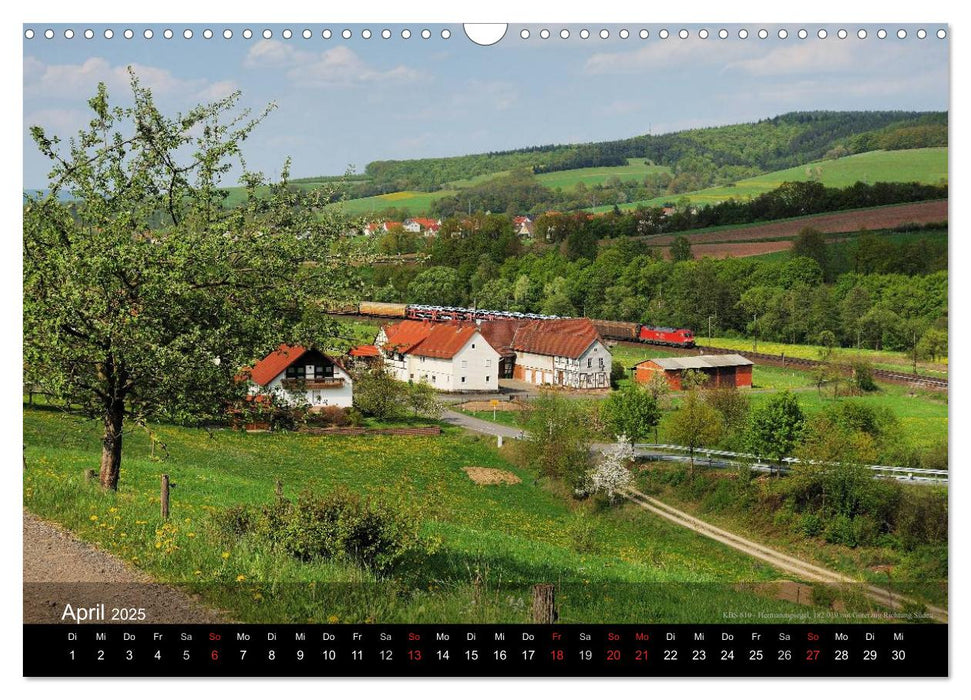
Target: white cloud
x=58, y=121
x=800, y=59
x=333, y=67
x=663, y=55
x=72, y=81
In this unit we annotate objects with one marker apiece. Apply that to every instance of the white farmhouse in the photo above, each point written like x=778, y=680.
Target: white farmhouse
x=301, y=375
x=561, y=352
x=448, y=356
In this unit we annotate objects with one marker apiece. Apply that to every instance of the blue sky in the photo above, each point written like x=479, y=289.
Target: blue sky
x=347, y=102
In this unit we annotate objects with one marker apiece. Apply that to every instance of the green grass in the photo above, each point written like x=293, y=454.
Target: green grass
x=494, y=542
x=414, y=203
x=890, y=359
x=510, y=418
x=843, y=248
x=923, y=415
x=926, y=165
x=636, y=169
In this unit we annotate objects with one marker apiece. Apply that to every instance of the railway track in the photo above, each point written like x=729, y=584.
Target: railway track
x=891, y=376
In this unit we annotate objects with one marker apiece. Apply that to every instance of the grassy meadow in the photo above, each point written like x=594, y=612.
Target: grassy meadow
x=636, y=169
x=925, y=165
x=491, y=543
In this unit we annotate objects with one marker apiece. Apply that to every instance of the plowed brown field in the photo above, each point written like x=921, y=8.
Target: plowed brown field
x=839, y=222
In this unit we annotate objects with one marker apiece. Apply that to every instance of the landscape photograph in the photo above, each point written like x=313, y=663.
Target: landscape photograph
x=349, y=324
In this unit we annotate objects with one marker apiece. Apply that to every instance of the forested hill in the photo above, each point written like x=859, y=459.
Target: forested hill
x=722, y=153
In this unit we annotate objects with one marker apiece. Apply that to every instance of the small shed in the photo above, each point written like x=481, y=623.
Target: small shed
x=721, y=370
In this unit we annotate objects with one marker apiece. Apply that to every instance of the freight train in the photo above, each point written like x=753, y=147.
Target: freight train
x=614, y=330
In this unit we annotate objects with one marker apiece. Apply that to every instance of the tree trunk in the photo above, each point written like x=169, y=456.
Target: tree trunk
x=111, y=446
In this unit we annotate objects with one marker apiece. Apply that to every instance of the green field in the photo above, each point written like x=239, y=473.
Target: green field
x=923, y=416
x=620, y=564
x=926, y=165
x=635, y=169
x=415, y=203
x=879, y=358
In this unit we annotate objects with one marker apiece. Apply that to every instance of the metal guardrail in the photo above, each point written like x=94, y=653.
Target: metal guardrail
x=757, y=461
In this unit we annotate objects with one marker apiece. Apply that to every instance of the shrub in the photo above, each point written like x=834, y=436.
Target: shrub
x=921, y=516
x=329, y=416
x=810, y=524
x=839, y=530
x=234, y=522
x=375, y=534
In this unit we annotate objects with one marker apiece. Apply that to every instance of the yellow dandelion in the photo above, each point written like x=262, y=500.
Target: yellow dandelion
x=332, y=619
x=191, y=534
x=240, y=578
x=94, y=517
x=257, y=596
x=225, y=555
x=112, y=510
x=198, y=573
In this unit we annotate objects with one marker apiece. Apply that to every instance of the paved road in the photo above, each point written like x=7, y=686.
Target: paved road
x=477, y=425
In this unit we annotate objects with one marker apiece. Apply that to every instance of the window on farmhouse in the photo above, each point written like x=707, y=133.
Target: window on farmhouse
x=463, y=380
x=487, y=379
x=488, y=363
x=589, y=362
x=465, y=364
x=296, y=372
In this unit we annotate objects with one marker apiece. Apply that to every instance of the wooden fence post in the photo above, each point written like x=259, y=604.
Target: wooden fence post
x=278, y=487
x=544, y=604
x=165, y=496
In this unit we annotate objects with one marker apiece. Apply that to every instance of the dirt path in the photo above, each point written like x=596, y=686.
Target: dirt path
x=60, y=570
x=784, y=562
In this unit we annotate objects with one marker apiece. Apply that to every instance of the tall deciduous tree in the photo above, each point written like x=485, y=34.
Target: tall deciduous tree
x=776, y=426
x=144, y=294
x=695, y=424
x=632, y=412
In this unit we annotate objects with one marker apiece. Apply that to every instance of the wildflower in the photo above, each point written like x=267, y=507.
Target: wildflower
x=241, y=578
x=225, y=555
x=332, y=619
x=94, y=517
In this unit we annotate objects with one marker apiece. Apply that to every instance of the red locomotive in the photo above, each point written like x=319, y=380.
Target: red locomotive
x=681, y=337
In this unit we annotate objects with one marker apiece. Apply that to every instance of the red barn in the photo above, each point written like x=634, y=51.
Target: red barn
x=721, y=370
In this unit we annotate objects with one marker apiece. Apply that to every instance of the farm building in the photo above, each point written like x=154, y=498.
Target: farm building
x=449, y=356
x=297, y=374
x=561, y=352
x=722, y=370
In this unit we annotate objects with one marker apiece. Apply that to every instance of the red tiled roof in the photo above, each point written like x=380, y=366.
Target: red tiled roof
x=499, y=333
x=364, y=351
x=270, y=366
x=426, y=339
x=562, y=337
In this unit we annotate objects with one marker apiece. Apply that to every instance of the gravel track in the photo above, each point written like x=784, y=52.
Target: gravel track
x=59, y=570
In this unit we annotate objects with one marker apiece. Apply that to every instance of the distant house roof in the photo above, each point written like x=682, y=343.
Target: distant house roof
x=698, y=362
x=364, y=351
x=264, y=371
x=426, y=339
x=561, y=337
